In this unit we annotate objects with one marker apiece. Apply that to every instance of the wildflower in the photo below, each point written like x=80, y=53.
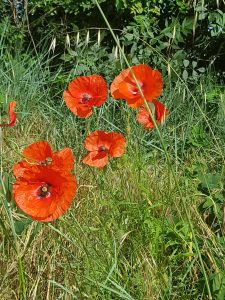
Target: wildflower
x=44, y=193
x=85, y=92
x=101, y=145
x=160, y=113
x=40, y=153
x=44, y=187
x=125, y=87
x=11, y=114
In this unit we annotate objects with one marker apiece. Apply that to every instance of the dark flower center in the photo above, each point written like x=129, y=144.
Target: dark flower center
x=102, y=149
x=47, y=161
x=44, y=190
x=135, y=90
x=85, y=98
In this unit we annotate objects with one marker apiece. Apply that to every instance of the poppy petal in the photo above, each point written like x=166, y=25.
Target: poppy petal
x=38, y=151
x=96, y=159
x=78, y=86
x=91, y=141
x=102, y=143
x=20, y=168
x=93, y=85
x=118, y=143
x=11, y=113
x=84, y=92
x=26, y=192
x=154, y=87
x=82, y=111
x=135, y=103
x=97, y=139
x=100, y=89
x=115, y=86
x=63, y=159
x=62, y=206
x=124, y=86
x=144, y=118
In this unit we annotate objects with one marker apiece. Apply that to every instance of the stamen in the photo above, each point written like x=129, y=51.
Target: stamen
x=44, y=190
x=102, y=148
x=47, y=161
x=135, y=91
x=85, y=98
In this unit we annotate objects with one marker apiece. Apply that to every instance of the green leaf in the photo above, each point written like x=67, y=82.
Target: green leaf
x=194, y=64
x=208, y=203
x=185, y=75
x=202, y=70
x=194, y=74
x=202, y=16
x=218, y=285
x=21, y=225
x=210, y=181
x=129, y=36
x=72, y=52
x=186, y=63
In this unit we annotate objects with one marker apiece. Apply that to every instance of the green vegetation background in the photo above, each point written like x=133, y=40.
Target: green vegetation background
x=133, y=232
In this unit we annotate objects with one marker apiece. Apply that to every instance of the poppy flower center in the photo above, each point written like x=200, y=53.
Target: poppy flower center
x=85, y=98
x=44, y=190
x=102, y=148
x=47, y=161
x=135, y=90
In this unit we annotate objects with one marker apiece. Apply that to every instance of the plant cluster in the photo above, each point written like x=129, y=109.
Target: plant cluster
x=45, y=187
x=190, y=35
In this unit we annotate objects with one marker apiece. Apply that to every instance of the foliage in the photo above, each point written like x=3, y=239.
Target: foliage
x=180, y=40
x=189, y=35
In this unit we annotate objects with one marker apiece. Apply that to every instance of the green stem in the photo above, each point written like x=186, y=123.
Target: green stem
x=22, y=282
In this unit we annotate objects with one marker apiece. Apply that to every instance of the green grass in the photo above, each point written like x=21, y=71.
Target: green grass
x=126, y=235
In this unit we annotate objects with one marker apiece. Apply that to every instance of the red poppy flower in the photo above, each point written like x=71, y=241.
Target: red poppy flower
x=85, y=92
x=40, y=153
x=124, y=86
x=160, y=113
x=101, y=145
x=44, y=193
x=11, y=114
